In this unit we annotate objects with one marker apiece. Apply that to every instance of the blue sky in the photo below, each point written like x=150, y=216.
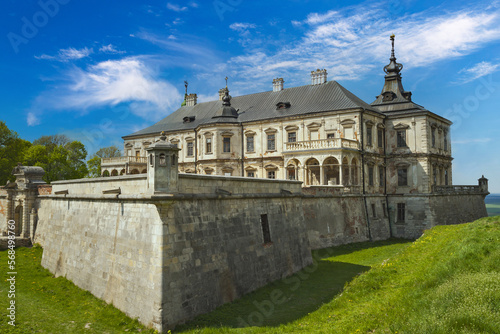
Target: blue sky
x=99, y=70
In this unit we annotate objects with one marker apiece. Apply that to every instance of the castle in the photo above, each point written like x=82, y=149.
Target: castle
x=222, y=197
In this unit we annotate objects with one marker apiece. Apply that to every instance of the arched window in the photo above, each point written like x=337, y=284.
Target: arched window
x=163, y=160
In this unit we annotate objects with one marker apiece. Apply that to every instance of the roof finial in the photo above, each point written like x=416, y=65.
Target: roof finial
x=186, y=85
x=393, y=67
x=226, y=81
x=393, y=56
x=226, y=100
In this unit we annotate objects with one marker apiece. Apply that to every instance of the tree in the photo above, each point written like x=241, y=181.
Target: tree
x=12, y=149
x=94, y=163
x=61, y=158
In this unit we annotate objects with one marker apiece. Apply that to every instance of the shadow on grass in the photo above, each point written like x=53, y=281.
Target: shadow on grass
x=291, y=298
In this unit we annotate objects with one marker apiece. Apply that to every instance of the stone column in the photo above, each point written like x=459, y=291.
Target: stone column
x=32, y=223
x=25, y=233
x=321, y=175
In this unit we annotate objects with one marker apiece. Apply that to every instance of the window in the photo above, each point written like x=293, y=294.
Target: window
x=226, y=144
x=251, y=174
x=250, y=147
x=445, y=135
x=433, y=135
x=348, y=133
x=291, y=173
x=381, y=176
x=369, y=136
x=435, y=175
x=163, y=160
x=208, y=145
x=401, y=212
x=446, y=177
x=330, y=135
x=380, y=137
x=402, y=176
x=266, y=233
x=137, y=154
x=401, y=135
x=151, y=160
x=292, y=137
x=384, y=211
x=271, y=142
x=271, y=174
x=374, y=211
x=190, y=146
x=370, y=176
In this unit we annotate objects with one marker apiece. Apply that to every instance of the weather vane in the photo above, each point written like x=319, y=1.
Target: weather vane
x=186, y=85
x=226, y=82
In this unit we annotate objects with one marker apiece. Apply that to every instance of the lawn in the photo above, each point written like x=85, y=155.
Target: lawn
x=448, y=281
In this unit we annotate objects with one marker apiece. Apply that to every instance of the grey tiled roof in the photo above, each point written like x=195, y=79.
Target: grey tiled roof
x=310, y=99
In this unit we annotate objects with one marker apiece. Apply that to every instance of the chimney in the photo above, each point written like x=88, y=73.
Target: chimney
x=278, y=84
x=191, y=100
x=318, y=77
x=222, y=92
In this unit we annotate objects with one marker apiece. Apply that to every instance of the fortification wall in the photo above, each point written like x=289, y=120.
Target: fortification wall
x=109, y=247
x=417, y=215
x=333, y=219
x=457, y=208
x=167, y=258
x=215, y=250
x=129, y=184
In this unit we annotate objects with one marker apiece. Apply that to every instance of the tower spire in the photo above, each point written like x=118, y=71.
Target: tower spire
x=394, y=67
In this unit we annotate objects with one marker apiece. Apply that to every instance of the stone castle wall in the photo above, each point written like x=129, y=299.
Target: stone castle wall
x=166, y=259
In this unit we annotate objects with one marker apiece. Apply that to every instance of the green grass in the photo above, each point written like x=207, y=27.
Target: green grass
x=55, y=305
x=448, y=281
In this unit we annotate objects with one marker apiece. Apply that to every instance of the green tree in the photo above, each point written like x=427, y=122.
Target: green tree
x=94, y=163
x=12, y=149
x=61, y=158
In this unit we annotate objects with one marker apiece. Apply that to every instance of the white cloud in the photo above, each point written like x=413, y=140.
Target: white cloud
x=112, y=82
x=110, y=48
x=65, y=55
x=176, y=8
x=177, y=21
x=477, y=71
x=353, y=41
x=32, y=119
x=240, y=26
x=194, y=4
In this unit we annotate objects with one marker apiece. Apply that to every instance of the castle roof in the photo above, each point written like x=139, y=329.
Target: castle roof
x=289, y=102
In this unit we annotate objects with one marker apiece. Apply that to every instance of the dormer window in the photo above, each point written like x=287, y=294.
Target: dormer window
x=189, y=119
x=282, y=105
x=388, y=96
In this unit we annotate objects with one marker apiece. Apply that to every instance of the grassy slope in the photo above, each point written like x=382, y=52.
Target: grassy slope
x=55, y=305
x=448, y=281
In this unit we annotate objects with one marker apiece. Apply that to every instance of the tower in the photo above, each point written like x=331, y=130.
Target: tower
x=163, y=172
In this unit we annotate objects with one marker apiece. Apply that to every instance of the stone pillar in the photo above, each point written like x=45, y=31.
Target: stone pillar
x=321, y=175
x=25, y=232
x=33, y=218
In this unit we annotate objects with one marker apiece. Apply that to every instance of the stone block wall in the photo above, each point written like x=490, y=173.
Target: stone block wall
x=111, y=248
x=457, y=208
x=129, y=184
x=215, y=251
x=333, y=219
